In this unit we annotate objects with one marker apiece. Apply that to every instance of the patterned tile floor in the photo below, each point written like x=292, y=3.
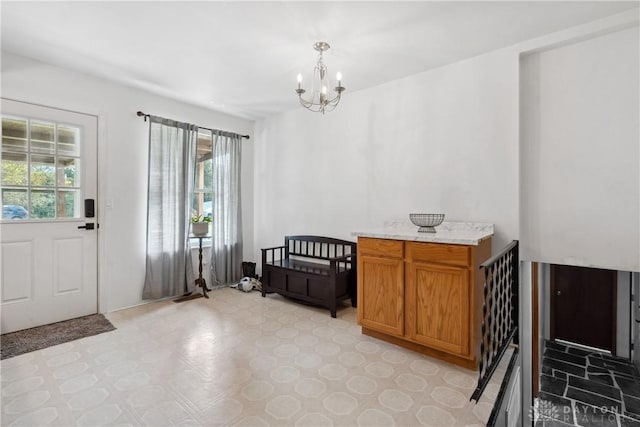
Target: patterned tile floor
x=237, y=359
x=586, y=388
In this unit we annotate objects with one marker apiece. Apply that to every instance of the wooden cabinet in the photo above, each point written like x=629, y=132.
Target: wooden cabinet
x=438, y=302
x=381, y=267
x=424, y=296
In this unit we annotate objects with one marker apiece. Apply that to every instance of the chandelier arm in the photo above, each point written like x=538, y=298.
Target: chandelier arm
x=314, y=108
x=305, y=103
x=332, y=106
x=310, y=105
x=335, y=100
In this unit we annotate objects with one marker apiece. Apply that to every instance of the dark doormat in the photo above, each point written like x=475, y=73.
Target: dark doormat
x=28, y=340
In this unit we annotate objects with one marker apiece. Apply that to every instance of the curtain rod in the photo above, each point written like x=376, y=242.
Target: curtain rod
x=141, y=114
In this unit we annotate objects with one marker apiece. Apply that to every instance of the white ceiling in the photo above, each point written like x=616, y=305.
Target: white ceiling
x=243, y=57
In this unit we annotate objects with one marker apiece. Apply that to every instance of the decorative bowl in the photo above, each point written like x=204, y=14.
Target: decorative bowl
x=426, y=222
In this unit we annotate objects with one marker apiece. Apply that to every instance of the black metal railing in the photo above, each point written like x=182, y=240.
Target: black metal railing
x=499, y=312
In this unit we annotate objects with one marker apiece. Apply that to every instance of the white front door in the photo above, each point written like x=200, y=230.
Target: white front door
x=49, y=168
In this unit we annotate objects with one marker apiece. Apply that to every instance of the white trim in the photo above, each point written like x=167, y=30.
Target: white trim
x=38, y=104
x=101, y=216
x=582, y=346
x=145, y=302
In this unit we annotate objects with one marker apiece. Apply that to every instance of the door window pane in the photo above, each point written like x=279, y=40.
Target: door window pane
x=68, y=140
x=42, y=137
x=14, y=169
x=14, y=134
x=43, y=171
x=14, y=204
x=68, y=204
x=40, y=175
x=43, y=204
x=68, y=172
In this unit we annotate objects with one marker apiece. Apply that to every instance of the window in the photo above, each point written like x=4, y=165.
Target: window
x=202, y=203
x=40, y=175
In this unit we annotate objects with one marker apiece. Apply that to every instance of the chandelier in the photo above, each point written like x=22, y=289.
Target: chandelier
x=320, y=100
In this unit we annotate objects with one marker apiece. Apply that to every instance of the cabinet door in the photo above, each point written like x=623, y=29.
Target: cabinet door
x=438, y=307
x=381, y=294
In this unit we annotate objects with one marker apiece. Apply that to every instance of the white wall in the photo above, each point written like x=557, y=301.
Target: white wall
x=581, y=153
x=123, y=161
x=445, y=140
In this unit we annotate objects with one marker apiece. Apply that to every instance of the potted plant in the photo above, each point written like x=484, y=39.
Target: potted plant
x=200, y=225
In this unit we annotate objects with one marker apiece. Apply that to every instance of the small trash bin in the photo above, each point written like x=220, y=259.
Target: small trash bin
x=249, y=269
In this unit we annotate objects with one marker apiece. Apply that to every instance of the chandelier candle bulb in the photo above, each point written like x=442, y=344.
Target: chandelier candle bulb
x=339, y=77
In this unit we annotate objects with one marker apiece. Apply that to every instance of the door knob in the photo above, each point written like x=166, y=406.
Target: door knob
x=87, y=226
x=558, y=293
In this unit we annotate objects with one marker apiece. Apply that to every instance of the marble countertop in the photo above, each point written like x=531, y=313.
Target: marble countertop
x=457, y=233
